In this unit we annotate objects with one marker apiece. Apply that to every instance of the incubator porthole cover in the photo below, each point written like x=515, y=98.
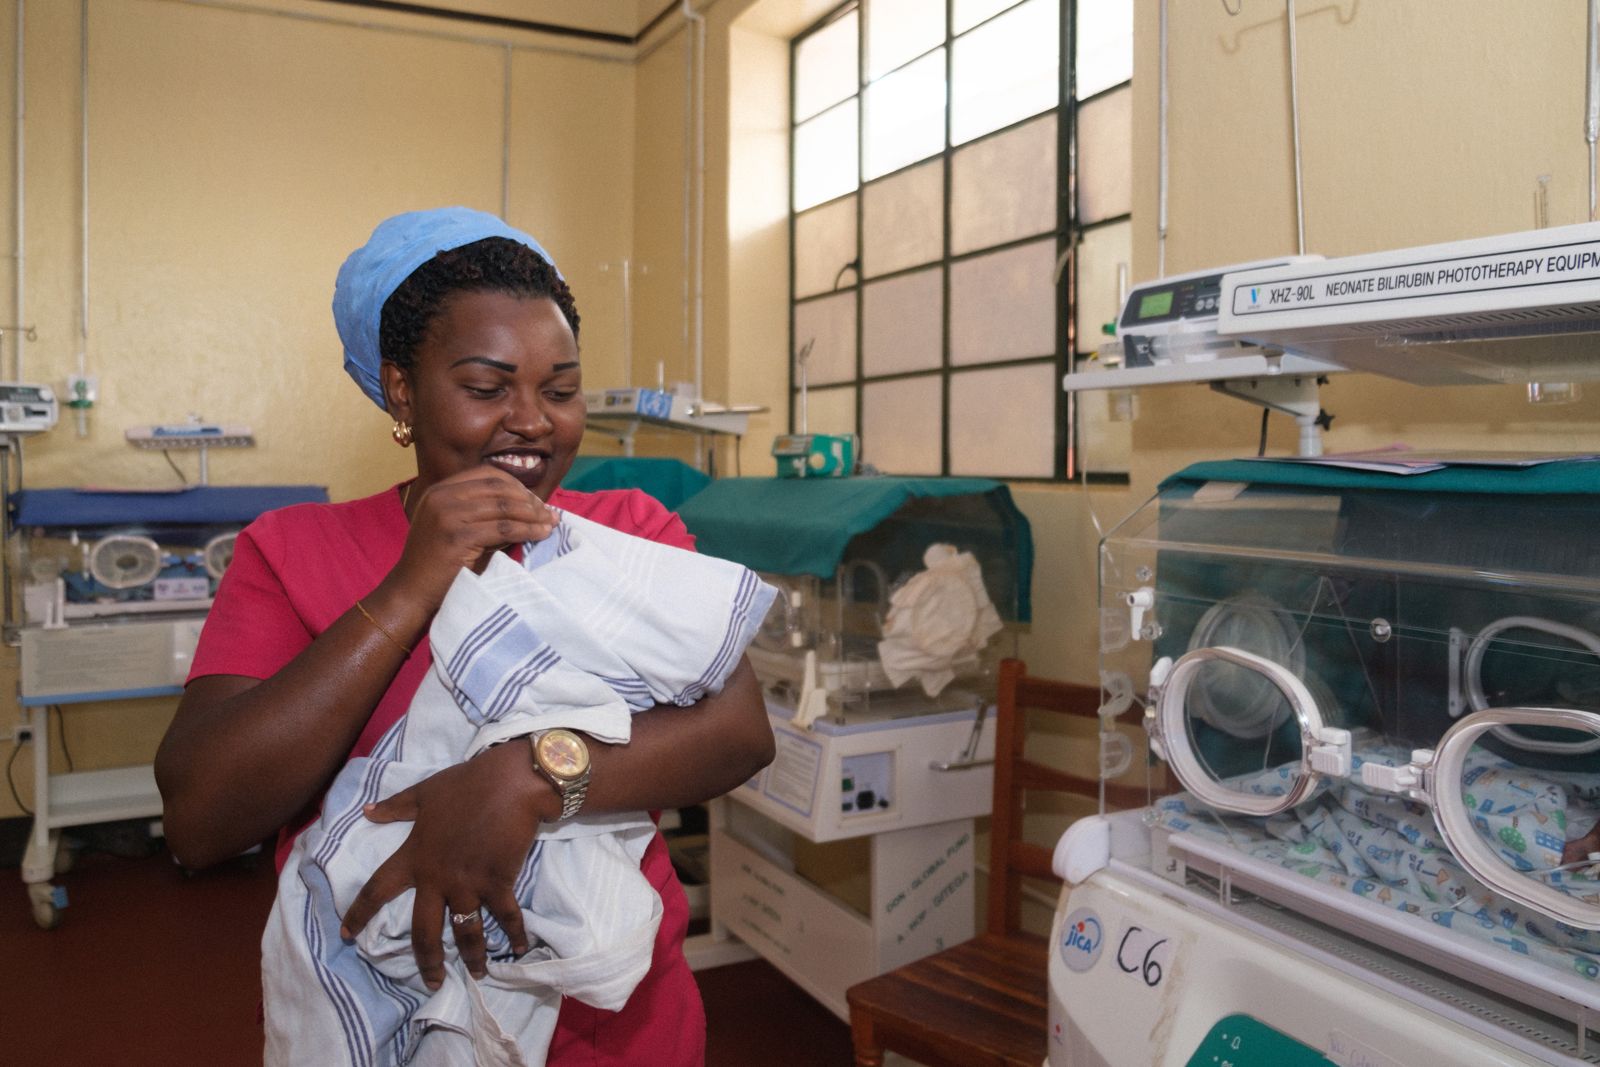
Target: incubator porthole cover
x=1447, y=777
x=1323, y=751
x=1240, y=701
x=1478, y=700
x=219, y=553
x=124, y=561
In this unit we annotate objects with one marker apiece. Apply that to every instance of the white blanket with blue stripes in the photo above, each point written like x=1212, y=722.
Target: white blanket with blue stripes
x=592, y=627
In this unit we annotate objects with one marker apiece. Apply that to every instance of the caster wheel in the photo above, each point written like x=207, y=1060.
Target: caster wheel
x=46, y=915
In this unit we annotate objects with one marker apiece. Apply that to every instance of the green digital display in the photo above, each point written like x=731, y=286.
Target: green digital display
x=1152, y=305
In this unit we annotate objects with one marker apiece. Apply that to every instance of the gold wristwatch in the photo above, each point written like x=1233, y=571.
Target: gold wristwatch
x=563, y=758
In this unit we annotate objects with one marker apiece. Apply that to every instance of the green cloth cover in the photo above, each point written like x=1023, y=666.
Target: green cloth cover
x=670, y=481
x=804, y=525
x=1562, y=476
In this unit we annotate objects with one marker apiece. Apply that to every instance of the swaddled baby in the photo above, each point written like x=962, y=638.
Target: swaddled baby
x=593, y=626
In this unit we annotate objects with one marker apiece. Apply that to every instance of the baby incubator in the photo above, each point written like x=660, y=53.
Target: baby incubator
x=1370, y=711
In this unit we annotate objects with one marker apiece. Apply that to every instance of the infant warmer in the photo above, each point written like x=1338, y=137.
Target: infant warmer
x=853, y=852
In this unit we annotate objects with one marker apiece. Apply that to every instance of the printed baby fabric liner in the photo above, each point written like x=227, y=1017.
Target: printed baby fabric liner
x=1387, y=849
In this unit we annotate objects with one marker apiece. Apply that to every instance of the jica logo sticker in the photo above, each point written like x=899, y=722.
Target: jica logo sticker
x=1080, y=939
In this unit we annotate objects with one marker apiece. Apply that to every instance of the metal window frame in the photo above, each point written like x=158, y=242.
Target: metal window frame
x=1067, y=234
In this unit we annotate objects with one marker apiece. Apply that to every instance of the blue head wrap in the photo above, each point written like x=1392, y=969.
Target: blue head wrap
x=375, y=270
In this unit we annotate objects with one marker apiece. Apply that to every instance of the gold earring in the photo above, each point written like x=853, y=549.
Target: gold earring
x=401, y=433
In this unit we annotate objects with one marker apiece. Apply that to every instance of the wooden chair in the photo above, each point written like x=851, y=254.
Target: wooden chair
x=982, y=1003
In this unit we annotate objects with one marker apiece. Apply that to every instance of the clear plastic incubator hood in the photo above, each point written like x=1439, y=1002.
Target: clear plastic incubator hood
x=1373, y=830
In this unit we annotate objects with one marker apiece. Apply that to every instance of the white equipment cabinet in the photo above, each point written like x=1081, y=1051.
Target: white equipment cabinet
x=75, y=665
x=919, y=824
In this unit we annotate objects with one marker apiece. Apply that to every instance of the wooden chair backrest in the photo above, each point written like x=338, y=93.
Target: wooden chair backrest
x=1010, y=857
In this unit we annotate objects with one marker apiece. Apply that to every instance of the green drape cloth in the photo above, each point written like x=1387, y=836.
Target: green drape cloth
x=804, y=525
x=670, y=481
x=1546, y=479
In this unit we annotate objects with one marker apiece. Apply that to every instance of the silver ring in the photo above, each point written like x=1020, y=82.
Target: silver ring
x=462, y=918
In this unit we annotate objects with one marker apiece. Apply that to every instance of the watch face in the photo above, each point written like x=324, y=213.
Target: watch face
x=563, y=754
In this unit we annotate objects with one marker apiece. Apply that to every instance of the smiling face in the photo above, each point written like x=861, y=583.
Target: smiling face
x=495, y=380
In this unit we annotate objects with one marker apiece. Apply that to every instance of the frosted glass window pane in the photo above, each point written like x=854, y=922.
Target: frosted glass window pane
x=905, y=116
x=1105, y=157
x=825, y=155
x=1104, y=45
x=900, y=425
x=1003, y=305
x=1003, y=421
x=1004, y=188
x=1104, y=257
x=903, y=220
x=824, y=241
x=899, y=31
x=826, y=411
x=826, y=67
x=968, y=13
x=1006, y=70
x=830, y=323
x=902, y=323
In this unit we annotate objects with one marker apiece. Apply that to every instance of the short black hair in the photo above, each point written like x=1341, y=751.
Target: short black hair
x=493, y=264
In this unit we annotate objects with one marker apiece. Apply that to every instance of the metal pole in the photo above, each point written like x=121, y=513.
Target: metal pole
x=1161, y=171
x=1294, y=115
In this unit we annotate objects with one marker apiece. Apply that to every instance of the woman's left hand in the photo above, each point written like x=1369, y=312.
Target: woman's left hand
x=474, y=824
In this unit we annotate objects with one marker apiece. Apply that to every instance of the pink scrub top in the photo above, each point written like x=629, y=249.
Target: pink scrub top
x=296, y=570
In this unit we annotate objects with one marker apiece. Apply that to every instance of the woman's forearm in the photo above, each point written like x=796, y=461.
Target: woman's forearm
x=244, y=757
x=683, y=756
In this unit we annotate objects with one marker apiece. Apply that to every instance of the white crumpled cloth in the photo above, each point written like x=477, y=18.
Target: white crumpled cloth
x=938, y=621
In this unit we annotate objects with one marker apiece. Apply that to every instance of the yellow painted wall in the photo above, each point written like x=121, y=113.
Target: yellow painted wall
x=1421, y=120
x=235, y=158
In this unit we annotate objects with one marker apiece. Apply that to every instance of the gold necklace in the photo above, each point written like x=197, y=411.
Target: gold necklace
x=405, y=496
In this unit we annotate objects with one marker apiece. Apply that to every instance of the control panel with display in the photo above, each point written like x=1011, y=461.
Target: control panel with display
x=1173, y=320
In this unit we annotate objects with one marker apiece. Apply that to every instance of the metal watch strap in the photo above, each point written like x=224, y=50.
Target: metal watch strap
x=573, y=794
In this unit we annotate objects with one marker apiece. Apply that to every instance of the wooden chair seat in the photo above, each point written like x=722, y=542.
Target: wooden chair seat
x=980, y=1003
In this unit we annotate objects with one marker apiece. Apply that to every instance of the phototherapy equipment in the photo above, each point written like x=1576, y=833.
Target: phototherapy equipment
x=1511, y=308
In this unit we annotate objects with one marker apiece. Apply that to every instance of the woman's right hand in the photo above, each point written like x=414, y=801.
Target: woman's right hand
x=459, y=522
